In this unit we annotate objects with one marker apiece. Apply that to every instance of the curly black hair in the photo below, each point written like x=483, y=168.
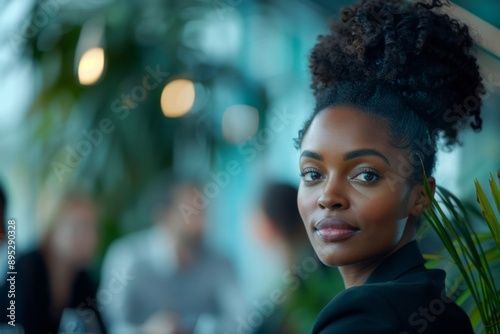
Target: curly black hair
x=406, y=62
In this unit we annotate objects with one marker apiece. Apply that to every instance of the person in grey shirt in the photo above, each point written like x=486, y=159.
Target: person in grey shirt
x=164, y=279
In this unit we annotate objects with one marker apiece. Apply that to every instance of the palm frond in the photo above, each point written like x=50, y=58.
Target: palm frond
x=472, y=252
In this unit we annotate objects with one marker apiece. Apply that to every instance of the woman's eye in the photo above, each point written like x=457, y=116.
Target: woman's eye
x=366, y=177
x=310, y=175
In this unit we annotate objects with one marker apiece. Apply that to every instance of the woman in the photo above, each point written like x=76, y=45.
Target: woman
x=390, y=79
x=53, y=291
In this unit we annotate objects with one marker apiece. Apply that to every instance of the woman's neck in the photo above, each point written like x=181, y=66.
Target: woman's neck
x=357, y=274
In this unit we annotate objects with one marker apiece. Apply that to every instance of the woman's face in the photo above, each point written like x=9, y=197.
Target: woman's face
x=75, y=234
x=354, y=208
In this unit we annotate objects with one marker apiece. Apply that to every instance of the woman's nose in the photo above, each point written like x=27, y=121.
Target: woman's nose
x=333, y=196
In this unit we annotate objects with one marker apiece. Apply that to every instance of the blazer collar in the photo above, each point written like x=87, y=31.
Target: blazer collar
x=402, y=261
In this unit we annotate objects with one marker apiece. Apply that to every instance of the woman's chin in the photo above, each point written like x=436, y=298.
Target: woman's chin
x=330, y=260
x=333, y=256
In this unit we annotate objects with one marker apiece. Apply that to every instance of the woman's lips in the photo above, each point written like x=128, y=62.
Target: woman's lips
x=334, y=229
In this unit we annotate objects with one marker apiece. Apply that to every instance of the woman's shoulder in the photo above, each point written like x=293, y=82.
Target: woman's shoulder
x=415, y=303
x=361, y=309
x=406, y=291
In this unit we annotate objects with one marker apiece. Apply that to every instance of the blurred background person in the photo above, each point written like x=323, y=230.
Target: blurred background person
x=51, y=279
x=170, y=281
x=280, y=224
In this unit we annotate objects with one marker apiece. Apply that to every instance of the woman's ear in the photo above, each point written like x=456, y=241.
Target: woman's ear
x=421, y=200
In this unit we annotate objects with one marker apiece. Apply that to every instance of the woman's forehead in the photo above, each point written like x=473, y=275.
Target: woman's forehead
x=346, y=124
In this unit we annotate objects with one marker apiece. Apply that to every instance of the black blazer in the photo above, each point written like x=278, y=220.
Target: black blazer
x=401, y=296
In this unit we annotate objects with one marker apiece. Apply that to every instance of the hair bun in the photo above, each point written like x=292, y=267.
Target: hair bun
x=423, y=55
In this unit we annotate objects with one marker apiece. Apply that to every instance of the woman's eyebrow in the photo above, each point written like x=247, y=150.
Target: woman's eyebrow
x=363, y=153
x=310, y=154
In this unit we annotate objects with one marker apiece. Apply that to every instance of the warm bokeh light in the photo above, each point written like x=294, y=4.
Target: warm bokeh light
x=239, y=123
x=91, y=66
x=177, y=98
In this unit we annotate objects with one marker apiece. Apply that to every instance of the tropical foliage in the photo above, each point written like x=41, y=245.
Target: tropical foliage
x=471, y=236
